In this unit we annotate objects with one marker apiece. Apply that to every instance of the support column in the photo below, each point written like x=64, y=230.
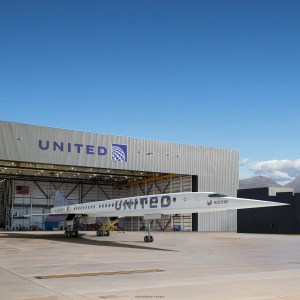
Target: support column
x=195, y=226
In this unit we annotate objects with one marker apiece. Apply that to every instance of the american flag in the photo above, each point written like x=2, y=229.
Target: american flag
x=22, y=190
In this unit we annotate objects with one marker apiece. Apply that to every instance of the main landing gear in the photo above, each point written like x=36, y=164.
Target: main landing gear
x=72, y=226
x=148, y=238
x=103, y=232
x=71, y=233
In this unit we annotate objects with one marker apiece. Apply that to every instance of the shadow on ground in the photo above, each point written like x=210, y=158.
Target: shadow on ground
x=79, y=240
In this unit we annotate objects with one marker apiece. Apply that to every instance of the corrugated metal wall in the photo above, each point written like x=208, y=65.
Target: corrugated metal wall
x=217, y=169
x=2, y=204
x=218, y=221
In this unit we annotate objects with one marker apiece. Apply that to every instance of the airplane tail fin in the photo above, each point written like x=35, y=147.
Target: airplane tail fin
x=59, y=199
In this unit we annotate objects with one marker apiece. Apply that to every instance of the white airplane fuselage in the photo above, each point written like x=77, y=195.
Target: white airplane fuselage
x=165, y=204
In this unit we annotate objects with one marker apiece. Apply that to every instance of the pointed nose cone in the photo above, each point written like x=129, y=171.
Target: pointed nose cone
x=243, y=203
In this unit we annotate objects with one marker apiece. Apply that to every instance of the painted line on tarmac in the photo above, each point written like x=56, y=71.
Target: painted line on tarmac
x=98, y=274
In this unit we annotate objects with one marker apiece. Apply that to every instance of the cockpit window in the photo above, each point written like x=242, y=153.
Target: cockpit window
x=216, y=195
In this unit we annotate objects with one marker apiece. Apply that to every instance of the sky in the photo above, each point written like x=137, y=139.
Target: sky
x=215, y=73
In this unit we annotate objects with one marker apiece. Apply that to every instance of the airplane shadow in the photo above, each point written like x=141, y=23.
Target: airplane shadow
x=80, y=240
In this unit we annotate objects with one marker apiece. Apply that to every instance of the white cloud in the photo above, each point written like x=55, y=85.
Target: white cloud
x=279, y=170
x=244, y=162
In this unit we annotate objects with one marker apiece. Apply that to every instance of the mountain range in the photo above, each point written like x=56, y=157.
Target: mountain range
x=262, y=181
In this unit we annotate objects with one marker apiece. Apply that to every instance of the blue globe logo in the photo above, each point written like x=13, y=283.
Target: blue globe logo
x=119, y=152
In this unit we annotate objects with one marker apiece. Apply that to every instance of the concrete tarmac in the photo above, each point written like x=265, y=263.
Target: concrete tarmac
x=177, y=265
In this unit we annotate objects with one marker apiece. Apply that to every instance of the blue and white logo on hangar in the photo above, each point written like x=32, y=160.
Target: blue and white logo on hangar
x=119, y=152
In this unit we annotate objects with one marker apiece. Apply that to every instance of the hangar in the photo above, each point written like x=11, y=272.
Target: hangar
x=36, y=161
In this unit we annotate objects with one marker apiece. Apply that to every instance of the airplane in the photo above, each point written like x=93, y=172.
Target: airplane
x=150, y=207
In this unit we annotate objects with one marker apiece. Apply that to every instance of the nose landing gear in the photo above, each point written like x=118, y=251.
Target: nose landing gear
x=148, y=238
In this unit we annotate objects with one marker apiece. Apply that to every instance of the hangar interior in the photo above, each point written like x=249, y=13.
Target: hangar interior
x=28, y=189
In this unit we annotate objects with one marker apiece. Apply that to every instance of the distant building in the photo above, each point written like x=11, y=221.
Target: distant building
x=281, y=219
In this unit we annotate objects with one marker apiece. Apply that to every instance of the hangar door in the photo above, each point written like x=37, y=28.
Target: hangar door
x=21, y=198
x=169, y=222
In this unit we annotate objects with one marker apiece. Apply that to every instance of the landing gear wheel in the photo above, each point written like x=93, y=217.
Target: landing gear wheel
x=148, y=238
x=107, y=233
x=66, y=234
x=101, y=233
